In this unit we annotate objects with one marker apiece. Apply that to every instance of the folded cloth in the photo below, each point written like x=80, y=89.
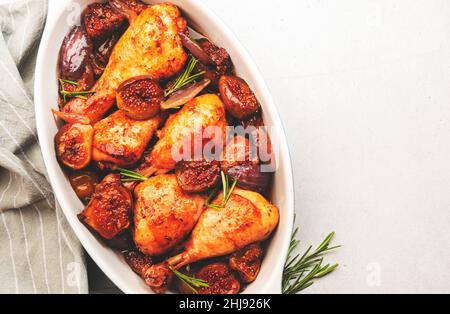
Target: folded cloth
x=38, y=251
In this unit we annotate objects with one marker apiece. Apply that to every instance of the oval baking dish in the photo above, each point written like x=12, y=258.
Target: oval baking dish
x=60, y=20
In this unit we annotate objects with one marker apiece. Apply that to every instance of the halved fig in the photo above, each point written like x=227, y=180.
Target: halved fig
x=140, y=98
x=239, y=99
x=197, y=176
x=84, y=183
x=73, y=144
x=219, y=278
x=138, y=262
x=101, y=20
x=247, y=262
x=74, y=53
x=108, y=212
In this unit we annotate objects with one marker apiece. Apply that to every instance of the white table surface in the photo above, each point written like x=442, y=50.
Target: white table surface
x=363, y=88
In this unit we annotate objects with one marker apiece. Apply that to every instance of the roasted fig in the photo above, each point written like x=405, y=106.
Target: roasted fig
x=197, y=176
x=250, y=176
x=138, y=262
x=219, y=56
x=219, y=278
x=247, y=262
x=238, y=151
x=74, y=53
x=84, y=183
x=101, y=20
x=108, y=212
x=158, y=277
x=73, y=145
x=140, y=98
x=129, y=8
x=238, y=98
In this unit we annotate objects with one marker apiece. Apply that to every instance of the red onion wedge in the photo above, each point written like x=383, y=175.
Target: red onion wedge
x=250, y=176
x=195, y=49
x=74, y=53
x=185, y=95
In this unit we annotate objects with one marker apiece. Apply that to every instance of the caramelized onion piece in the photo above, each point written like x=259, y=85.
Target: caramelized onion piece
x=238, y=98
x=247, y=262
x=84, y=183
x=73, y=144
x=71, y=117
x=74, y=53
x=197, y=176
x=250, y=176
x=108, y=212
x=140, y=98
x=185, y=95
x=195, y=49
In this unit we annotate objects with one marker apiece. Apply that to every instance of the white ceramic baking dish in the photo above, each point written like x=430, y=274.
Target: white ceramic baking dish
x=60, y=19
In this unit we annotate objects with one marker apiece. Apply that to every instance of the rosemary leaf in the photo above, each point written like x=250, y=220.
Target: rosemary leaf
x=77, y=93
x=185, y=78
x=300, y=271
x=191, y=282
x=130, y=176
x=226, y=190
x=69, y=82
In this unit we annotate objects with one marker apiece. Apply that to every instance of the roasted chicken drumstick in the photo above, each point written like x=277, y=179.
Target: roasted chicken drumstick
x=151, y=46
x=164, y=215
x=246, y=218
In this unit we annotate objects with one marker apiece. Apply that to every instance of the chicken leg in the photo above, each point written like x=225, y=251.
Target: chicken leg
x=247, y=218
x=151, y=46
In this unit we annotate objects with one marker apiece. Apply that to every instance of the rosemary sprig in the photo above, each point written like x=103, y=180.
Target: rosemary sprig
x=191, y=282
x=73, y=94
x=185, y=78
x=69, y=82
x=130, y=176
x=301, y=271
x=77, y=93
x=226, y=190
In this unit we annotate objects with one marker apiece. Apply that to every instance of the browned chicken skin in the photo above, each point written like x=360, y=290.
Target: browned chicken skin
x=181, y=128
x=164, y=215
x=151, y=46
x=121, y=141
x=246, y=218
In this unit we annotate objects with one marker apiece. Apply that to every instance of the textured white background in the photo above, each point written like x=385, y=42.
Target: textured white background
x=363, y=88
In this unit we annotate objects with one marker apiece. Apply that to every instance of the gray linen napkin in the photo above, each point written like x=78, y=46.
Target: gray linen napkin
x=38, y=251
